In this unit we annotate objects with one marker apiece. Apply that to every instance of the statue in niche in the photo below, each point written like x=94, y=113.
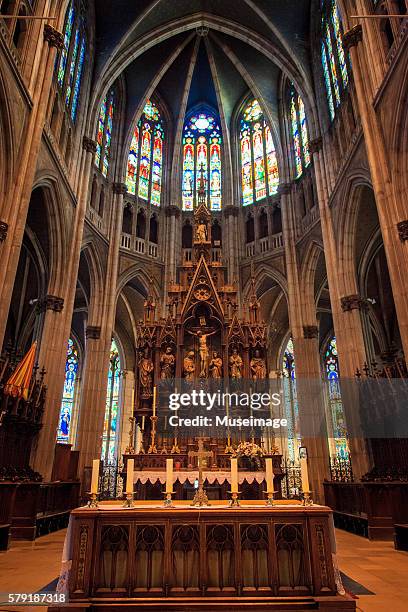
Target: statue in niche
x=146, y=374
x=201, y=233
x=258, y=367
x=235, y=365
x=189, y=366
x=215, y=366
x=167, y=363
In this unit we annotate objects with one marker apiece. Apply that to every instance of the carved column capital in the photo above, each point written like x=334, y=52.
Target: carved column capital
x=285, y=188
x=353, y=36
x=93, y=332
x=310, y=331
x=402, y=228
x=353, y=302
x=316, y=144
x=53, y=37
x=172, y=211
x=119, y=188
x=89, y=145
x=51, y=302
x=230, y=211
x=3, y=230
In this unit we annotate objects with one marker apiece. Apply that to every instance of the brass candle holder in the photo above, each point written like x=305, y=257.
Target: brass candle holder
x=130, y=449
x=269, y=500
x=307, y=500
x=229, y=449
x=175, y=450
x=93, y=500
x=153, y=448
x=168, y=502
x=234, y=501
x=129, y=501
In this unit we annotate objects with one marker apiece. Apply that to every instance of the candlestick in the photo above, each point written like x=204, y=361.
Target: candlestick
x=130, y=467
x=129, y=503
x=95, y=476
x=167, y=499
x=304, y=474
x=154, y=400
x=269, y=474
x=169, y=476
x=234, y=475
x=307, y=500
x=234, y=501
x=269, y=500
x=93, y=500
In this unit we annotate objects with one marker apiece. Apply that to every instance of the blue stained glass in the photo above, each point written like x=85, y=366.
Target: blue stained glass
x=78, y=81
x=110, y=431
x=339, y=43
x=108, y=137
x=64, y=433
x=72, y=68
x=336, y=405
x=291, y=401
x=327, y=81
x=67, y=38
x=332, y=65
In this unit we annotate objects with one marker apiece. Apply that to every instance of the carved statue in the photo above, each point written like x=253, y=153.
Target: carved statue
x=258, y=367
x=215, y=366
x=145, y=374
x=201, y=233
x=235, y=365
x=167, y=362
x=203, y=350
x=189, y=366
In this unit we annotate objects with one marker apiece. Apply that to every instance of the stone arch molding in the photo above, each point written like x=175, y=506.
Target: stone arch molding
x=93, y=261
x=136, y=271
x=307, y=280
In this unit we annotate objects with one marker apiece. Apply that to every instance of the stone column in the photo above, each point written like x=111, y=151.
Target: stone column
x=230, y=241
x=14, y=213
x=128, y=385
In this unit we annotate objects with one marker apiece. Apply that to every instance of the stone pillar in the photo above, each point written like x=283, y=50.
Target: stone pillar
x=173, y=215
x=128, y=385
x=14, y=211
x=230, y=241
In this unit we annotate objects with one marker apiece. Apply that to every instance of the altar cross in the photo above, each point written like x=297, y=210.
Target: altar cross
x=200, y=497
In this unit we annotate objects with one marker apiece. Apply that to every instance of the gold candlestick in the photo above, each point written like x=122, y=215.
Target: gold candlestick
x=130, y=449
x=129, y=501
x=269, y=500
x=307, y=500
x=153, y=447
x=234, y=501
x=175, y=448
x=168, y=503
x=93, y=500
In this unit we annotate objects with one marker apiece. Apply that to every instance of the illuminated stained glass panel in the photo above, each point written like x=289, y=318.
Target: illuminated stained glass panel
x=188, y=173
x=108, y=137
x=151, y=111
x=332, y=66
x=291, y=401
x=327, y=82
x=339, y=43
x=253, y=111
x=111, y=423
x=202, y=165
x=78, y=79
x=67, y=39
x=144, y=170
x=259, y=162
x=335, y=402
x=215, y=175
x=64, y=433
x=133, y=162
x=72, y=68
x=101, y=132
x=296, y=135
x=157, y=166
x=271, y=161
x=246, y=165
x=303, y=130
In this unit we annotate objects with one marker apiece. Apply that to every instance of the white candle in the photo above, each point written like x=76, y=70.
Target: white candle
x=143, y=422
x=154, y=400
x=130, y=467
x=169, y=475
x=95, y=476
x=304, y=475
x=269, y=475
x=133, y=401
x=234, y=475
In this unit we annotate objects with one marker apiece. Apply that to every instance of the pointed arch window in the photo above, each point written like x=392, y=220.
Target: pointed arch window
x=290, y=400
x=202, y=159
x=111, y=424
x=66, y=425
x=146, y=154
x=337, y=429
x=70, y=63
x=259, y=166
x=334, y=58
x=104, y=133
x=299, y=132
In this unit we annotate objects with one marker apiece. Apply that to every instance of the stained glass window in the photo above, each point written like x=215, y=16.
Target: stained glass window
x=337, y=430
x=145, y=160
x=291, y=401
x=104, y=133
x=334, y=59
x=111, y=424
x=69, y=65
x=202, y=161
x=67, y=411
x=299, y=132
x=259, y=166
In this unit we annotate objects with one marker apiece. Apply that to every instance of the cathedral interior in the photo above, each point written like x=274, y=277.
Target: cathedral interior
x=194, y=191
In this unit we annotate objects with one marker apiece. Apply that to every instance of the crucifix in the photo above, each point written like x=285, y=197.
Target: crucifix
x=200, y=497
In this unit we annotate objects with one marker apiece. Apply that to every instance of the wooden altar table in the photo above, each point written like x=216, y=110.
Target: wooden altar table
x=154, y=558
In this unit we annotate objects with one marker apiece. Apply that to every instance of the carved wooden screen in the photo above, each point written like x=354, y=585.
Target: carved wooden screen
x=114, y=559
x=185, y=558
x=149, y=558
x=220, y=558
x=254, y=556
